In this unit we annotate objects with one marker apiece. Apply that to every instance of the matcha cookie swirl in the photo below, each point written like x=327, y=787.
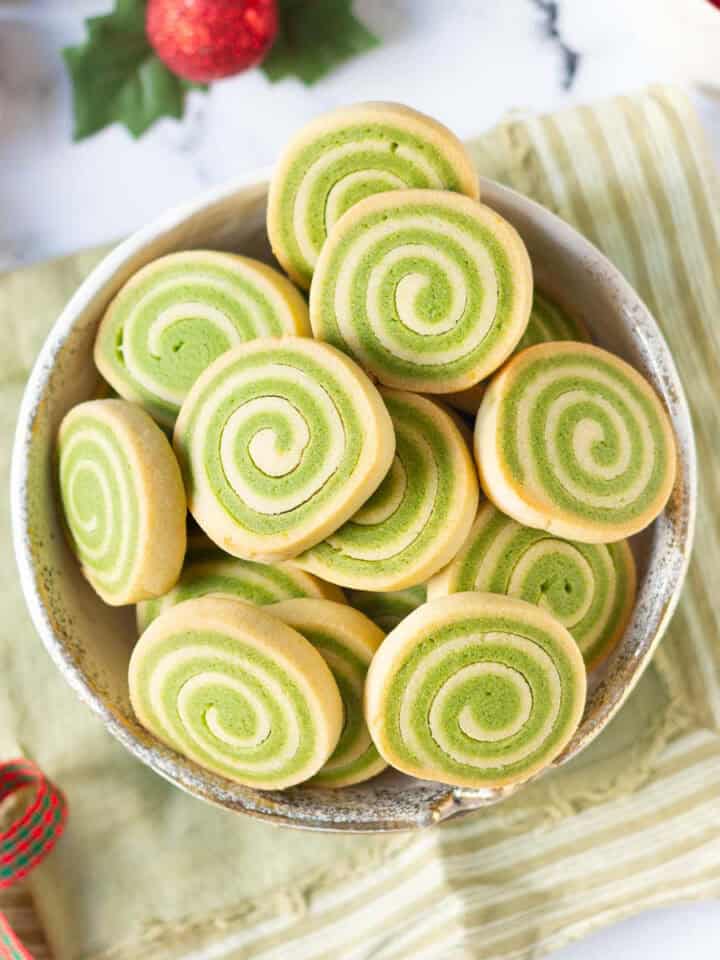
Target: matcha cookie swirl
x=475, y=690
x=571, y=439
x=429, y=291
x=123, y=500
x=179, y=313
x=387, y=608
x=237, y=691
x=280, y=442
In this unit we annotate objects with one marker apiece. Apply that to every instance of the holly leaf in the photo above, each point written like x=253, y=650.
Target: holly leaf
x=117, y=78
x=314, y=37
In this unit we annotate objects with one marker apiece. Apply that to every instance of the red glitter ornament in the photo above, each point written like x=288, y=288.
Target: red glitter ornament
x=204, y=40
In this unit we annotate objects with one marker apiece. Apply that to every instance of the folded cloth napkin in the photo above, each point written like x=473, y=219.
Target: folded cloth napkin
x=145, y=871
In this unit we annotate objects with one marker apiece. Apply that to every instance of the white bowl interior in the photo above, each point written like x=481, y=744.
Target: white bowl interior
x=92, y=642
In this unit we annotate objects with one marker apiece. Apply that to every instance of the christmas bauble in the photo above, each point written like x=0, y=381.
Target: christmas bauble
x=204, y=40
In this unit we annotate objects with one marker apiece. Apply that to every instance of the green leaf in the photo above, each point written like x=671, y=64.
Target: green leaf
x=314, y=37
x=117, y=78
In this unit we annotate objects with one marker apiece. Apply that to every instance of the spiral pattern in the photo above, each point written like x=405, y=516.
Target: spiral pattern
x=123, y=500
x=589, y=588
x=281, y=441
x=475, y=690
x=387, y=609
x=237, y=691
x=547, y=324
x=423, y=509
x=177, y=314
x=257, y=583
x=429, y=291
x=347, y=640
x=348, y=155
x=571, y=439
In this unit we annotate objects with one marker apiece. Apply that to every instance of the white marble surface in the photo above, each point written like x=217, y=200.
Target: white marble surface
x=56, y=196
x=438, y=56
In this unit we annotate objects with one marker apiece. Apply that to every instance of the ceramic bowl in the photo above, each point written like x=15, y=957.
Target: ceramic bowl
x=91, y=643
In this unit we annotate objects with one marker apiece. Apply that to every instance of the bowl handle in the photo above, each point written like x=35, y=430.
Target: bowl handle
x=462, y=800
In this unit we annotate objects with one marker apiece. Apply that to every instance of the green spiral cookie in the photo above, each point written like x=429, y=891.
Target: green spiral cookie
x=281, y=441
x=347, y=640
x=429, y=291
x=423, y=509
x=123, y=500
x=237, y=691
x=177, y=314
x=589, y=588
x=347, y=155
x=571, y=439
x=475, y=690
x=387, y=609
x=547, y=324
x=258, y=583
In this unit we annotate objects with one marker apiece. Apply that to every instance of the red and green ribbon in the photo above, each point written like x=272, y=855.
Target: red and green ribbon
x=29, y=839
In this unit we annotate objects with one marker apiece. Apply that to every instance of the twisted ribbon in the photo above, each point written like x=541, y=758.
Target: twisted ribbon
x=29, y=839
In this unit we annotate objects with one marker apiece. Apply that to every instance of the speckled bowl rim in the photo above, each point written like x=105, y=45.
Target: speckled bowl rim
x=450, y=801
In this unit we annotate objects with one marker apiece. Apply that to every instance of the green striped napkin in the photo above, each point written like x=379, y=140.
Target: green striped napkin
x=145, y=871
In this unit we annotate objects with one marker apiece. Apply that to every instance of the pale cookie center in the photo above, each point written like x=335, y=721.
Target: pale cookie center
x=467, y=719
x=581, y=569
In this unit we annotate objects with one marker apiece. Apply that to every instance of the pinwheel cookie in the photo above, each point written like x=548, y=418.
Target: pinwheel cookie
x=420, y=513
x=347, y=640
x=178, y=313
x=352, y=153
x=123, y=500
x=429, y=291
x=589, y=588
x=571, y=439
x=475, y=690
x=237, y=691
x=280, y=442
x=213, y=572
